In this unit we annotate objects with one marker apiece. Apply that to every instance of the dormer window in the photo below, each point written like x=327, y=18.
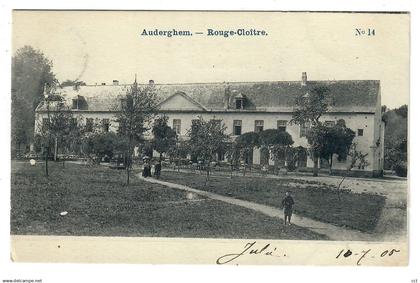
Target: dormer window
x=239, y=101
x=74, y=103
x=79, y=103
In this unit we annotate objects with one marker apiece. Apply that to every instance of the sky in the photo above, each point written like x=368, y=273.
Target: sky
x=99, y=46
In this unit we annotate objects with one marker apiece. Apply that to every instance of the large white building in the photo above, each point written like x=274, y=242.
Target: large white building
x=245, y=107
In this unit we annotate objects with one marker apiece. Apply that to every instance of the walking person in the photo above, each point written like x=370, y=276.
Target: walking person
x=287, y=205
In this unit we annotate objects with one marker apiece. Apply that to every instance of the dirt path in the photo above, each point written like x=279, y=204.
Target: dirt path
x=331, y=231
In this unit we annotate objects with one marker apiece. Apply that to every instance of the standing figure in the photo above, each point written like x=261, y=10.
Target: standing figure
x=158, y=168
x=287, y=205
x=146, y=169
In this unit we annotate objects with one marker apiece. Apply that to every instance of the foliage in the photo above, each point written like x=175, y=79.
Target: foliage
x=233, y=154
x=57, y=128
x=137, y=111
x=271, y=137
x=357, y=158
x=277, y=142
x=179, y=151
x=311, y=106
x=103, y=144
x=207, y=138
x=396, y=129
x=164, y=137
x=245, y=143
x=401, y=169
x=309, y=109
x=31, y=70
x=292, y=157
x=335, y=140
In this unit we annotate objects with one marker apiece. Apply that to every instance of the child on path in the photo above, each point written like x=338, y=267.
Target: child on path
x=287, y=205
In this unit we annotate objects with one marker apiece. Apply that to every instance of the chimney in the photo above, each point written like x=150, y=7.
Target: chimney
x=151, y=82
x=227, y=96
x=115, y=82
x=304, y=79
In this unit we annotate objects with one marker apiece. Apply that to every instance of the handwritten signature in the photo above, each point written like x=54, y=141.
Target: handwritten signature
x=249, y=249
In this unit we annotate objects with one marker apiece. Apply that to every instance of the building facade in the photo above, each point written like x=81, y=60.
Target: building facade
x=246, y=107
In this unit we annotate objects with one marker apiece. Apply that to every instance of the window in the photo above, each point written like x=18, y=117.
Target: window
x=74, y=103
x=360, y=132
x=89, y=124
x=259, y=126
x=304, y=129
x=105, y=125
x=177, y=126
x=329, y=124
x=44, y=123
x=281, y=125
x=237, y=127
x=239, y=103
x=73, y=123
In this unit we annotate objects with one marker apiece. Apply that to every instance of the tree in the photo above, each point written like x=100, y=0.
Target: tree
x=246, y=143
x=395, y=145
x=137, y=111
x=57, y=127
x=31, y=70
x=335, y=140
x=358, y=160
x=179, y=150
x=206, y=139
x=101, y=145
x=164, y=137
x=309, y=109
x=277, y=142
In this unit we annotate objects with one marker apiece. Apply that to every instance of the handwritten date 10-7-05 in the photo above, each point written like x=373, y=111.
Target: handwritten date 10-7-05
x=365, y=254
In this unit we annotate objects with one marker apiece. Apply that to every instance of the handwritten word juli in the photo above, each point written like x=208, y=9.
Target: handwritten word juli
x=249, y=249
x=364, y=254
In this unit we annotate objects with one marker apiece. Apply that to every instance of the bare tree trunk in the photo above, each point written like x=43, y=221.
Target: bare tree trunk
x=55, y=148
x=330, y=163
x=315, y=171
x=339, y=186
x=46, y=160
x=128, y=175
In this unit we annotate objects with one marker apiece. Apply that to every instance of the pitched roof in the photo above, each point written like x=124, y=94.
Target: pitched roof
x=347, y=96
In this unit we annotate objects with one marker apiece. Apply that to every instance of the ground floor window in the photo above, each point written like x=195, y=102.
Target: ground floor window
x=237, y=127
x=259, y=126
x=177, y=126
x=281, y=125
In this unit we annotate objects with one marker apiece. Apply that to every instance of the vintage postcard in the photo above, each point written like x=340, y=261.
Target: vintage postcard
x=194, y=137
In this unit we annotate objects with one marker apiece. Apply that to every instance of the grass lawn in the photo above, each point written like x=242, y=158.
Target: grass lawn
x=98, y=204
x=312, y=199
